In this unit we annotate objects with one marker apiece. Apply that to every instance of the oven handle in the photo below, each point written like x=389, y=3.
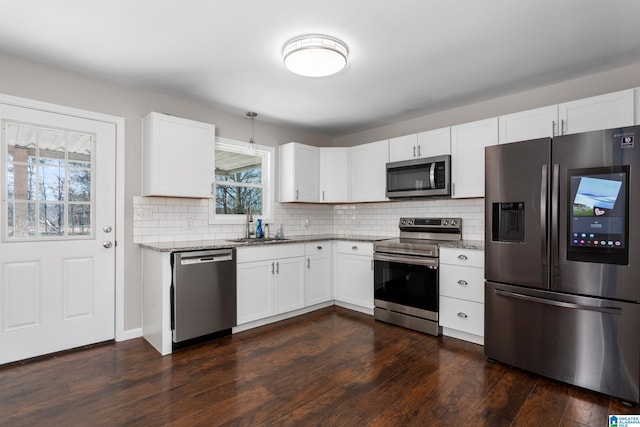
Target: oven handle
x=427, y=262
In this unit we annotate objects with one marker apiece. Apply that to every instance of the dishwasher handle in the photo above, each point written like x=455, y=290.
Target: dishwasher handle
x=201, y=257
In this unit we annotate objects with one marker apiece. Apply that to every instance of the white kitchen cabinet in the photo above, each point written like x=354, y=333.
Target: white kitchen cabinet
x=318, y=283
x=178, y=157
x=461, y=301
x=403, y=148
x=353, y=275
x=368, y=171
x=607, y=111
x=334, y=174
x=270, y=281
x=436, y=142
x=299, y=178
x=530, y=124
x=467, y=156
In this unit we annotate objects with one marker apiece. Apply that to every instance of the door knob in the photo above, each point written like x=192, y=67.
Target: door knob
x=107, y=244
x=107, y=229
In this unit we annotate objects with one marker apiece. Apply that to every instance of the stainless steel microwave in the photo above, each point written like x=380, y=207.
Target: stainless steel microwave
x=430, y=176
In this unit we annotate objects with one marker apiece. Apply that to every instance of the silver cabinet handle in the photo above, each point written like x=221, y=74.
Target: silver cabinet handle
x=296, y=194
x=463, y=282
x=414, y=151
x=563, y=128
x=273, y=268
x=107, y=244
x=354, y=248
x=419, y=151
x=553, y=128
x=308, y=263
x=323, y=195
x=462, y=315
x=277, y=268
x=372, y=263
x=463, y=257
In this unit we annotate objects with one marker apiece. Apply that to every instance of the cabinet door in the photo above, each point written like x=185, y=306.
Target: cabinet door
x=530, y=124
x=298, y=173
x=318, y=285
x=255, y=291
x=178, y=157
x=334, y=174
x=435, y=142
x=598, y=112
x=353, y=279
x=467, y=156
x=289, y=285
x=368, y=171
x=403, y=148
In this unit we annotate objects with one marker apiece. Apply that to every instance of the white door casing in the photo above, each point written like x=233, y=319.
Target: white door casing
x=57, y=282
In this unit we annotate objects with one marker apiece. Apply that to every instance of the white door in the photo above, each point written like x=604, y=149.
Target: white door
x=57, y=254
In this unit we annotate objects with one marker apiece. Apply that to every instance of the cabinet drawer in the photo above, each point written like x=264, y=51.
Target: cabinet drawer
x=316, y=248
x=468, y=257
x=462, y=282
x=267, y=252
x=356, y=248
x=465, y=316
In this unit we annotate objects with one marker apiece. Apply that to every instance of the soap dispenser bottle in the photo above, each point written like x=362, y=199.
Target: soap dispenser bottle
x=259, y=234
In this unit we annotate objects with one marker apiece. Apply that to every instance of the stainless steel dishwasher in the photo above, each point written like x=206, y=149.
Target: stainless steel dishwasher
x=203, y=293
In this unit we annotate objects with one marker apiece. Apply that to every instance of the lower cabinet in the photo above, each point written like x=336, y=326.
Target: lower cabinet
x=462, y=294
x=318, y=285
x=353, y=275
x=270, y=281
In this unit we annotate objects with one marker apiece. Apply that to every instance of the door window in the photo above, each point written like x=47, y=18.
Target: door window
x=49, y=191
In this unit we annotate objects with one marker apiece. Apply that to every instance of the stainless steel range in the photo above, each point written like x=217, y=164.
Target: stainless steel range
x=406, y=286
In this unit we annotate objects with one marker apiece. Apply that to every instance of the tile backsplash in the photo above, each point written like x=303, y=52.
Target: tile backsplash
x=166, y=219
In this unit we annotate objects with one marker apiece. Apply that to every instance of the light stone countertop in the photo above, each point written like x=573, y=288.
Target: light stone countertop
x=231, y=243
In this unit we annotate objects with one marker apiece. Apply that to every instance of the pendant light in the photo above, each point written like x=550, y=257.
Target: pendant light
x=252, y=143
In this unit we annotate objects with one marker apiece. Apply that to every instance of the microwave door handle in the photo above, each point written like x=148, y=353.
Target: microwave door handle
x=432, y=175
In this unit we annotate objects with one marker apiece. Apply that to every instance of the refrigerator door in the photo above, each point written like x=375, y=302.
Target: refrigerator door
x=595, y=269
x=516, y=213
x=589, y=342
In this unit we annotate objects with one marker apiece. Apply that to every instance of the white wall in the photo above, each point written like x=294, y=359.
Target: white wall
x=22, y=78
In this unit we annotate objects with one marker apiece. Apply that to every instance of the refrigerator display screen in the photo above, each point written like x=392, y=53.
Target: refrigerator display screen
x=598, y=214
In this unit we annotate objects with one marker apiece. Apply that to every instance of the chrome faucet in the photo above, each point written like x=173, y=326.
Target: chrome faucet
x=248, y=223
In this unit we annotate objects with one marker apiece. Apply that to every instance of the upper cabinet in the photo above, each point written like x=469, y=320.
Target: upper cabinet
x=178, y=156
x=299, y=165
x=530, y=124
x=467, y=156
x=334, y=174
x=368, y=171
x=598, y=112
x=431, y=143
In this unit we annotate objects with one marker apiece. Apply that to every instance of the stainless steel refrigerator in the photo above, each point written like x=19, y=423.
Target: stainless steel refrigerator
x=562, y=261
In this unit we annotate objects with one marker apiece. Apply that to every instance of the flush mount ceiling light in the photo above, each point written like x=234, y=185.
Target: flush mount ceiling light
x=315, y=55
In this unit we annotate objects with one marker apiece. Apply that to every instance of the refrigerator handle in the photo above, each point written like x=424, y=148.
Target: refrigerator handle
x=563, y=304
x=555, y=199
x=543, y=215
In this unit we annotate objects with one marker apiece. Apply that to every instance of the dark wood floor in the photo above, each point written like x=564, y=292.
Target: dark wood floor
x=330, y=367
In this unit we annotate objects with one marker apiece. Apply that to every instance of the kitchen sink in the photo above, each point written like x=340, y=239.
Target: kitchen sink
x=254, y=240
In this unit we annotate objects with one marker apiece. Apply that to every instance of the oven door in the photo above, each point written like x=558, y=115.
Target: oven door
x=407, y=284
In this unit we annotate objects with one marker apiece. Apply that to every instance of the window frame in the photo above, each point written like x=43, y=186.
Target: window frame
x=268, y=154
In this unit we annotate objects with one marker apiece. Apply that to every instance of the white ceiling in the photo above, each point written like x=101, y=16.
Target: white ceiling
x=407, y=57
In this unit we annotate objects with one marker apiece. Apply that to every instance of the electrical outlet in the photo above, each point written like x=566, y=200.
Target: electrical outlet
x=306, y=222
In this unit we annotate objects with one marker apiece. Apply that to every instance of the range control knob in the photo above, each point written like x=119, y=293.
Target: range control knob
x=403, y=221
x=445, y=222
x=410, y=222
x=454, y=222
